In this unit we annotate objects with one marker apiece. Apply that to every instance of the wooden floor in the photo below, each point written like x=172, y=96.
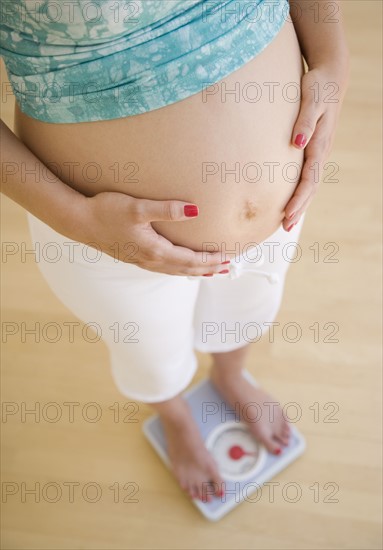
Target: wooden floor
x=339, y=475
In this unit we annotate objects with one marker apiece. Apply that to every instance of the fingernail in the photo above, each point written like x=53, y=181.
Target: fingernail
x=277, y=451
x=290, y=227
x=208, y=275
x=190, y=210
x=221, y=493
x=224, y=271
x=300, y=140
x=227, y=262
x=291, y=216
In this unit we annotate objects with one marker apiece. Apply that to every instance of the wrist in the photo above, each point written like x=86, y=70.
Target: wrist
x=335, y=65
x=331, y=71
x=74, y=220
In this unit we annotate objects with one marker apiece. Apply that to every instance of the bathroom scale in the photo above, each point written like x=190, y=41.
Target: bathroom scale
x=243, y=463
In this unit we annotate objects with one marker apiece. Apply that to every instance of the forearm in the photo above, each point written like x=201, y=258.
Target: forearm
x=27, y=181
x=320, y=31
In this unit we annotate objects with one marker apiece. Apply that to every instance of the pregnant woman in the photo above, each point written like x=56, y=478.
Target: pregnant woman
x=164, y=151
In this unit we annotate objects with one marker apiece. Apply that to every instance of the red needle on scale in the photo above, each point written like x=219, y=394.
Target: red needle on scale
x=236, y=452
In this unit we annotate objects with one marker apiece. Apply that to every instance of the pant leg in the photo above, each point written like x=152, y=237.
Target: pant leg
x=230, y=313
x=145, y=318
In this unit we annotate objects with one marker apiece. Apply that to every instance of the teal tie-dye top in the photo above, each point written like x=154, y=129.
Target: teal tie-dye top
x=87, y=60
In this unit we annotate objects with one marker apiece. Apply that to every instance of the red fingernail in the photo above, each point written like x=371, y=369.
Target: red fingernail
x=277, y=451
x=190, y=210
x=227, y=262
x=290, y=227
x=221, y=493
x=208, y=275
x=224, y=271
x=300, y=140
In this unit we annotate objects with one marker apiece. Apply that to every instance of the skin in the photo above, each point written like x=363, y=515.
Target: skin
x=324, y=47
x=191, y=136
x=152, y=214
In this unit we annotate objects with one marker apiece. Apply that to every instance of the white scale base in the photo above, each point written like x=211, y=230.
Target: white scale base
x=221, y=430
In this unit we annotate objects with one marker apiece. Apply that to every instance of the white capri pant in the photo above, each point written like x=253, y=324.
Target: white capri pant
x=152, y=322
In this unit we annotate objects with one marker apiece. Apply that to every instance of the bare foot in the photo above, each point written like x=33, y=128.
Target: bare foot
x=192, y=464
x=266, y=422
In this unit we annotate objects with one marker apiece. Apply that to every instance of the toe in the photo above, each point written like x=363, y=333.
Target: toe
x=281, y=438
x=273, y=446
x=207, y=490
x=205, y=497
x=194, y=492
x=188, y=487
x=200, y=490
x=282, y=435
x=286, y=432
x=218, y=483
x=286, y=428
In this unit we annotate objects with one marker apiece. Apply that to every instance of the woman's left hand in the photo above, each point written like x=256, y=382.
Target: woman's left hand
x=323, y=90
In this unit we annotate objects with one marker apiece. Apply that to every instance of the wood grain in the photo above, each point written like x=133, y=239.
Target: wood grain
x=343, y=378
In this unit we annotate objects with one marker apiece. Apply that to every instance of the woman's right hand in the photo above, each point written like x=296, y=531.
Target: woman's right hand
x=119, y=225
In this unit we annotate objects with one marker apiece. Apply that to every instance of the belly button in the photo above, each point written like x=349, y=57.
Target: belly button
x=249, y=212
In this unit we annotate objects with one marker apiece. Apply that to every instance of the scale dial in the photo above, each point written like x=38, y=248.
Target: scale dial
x=238, y=455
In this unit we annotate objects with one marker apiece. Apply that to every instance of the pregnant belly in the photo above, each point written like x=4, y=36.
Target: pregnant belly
x=227, y=150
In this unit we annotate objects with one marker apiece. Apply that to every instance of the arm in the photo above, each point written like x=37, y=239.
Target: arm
x=107, y=219
x=320, y=31
x=321, y=36
x=42, y=193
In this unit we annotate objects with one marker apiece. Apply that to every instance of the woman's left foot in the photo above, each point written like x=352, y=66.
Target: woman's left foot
x=258, y=409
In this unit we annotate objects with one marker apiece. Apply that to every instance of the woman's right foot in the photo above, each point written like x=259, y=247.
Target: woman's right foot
x=192, y=464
